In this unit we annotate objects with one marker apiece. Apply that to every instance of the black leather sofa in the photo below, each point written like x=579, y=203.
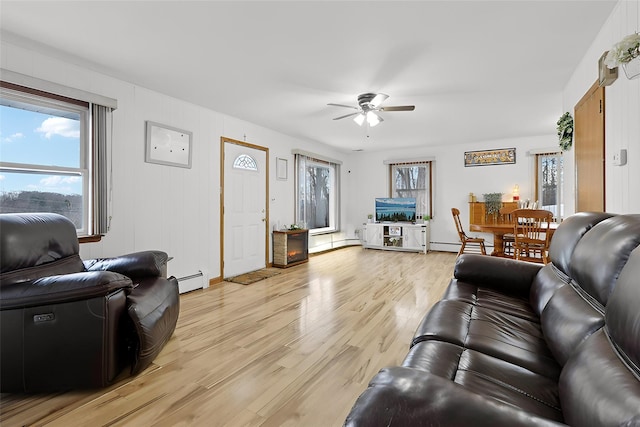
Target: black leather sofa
x=519, y=344
x=66, y=323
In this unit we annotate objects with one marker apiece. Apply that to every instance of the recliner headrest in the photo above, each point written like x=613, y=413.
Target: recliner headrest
x=33, y=239
x=603, y=251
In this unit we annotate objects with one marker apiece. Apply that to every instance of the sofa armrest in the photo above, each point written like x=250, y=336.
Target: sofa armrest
x=134, y=265
x=400, y=396
x=62, y=288
x=502, y=274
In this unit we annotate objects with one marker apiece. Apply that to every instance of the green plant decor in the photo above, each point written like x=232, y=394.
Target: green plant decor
x=492, y=203
x=565, y=131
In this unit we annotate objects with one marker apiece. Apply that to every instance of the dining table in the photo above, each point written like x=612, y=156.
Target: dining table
x=499, y=229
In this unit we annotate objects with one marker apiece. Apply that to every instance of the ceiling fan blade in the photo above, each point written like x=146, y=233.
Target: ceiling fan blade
x=399, y=108
x=347, y=115
x=378, y=99
x=342, y=105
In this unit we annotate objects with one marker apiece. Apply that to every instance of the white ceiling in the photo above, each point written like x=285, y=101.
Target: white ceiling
x=475, y=70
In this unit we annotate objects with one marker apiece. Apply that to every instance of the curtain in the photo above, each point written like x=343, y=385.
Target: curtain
x=301, y=188
x=101, y=137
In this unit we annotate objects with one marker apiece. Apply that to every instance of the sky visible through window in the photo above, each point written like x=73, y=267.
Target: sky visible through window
x=39, y=139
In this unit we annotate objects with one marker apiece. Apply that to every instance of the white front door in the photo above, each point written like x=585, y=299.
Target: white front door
x=244, y=208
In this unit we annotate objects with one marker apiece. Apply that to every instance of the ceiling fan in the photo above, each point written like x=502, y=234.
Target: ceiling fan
x=368, y=105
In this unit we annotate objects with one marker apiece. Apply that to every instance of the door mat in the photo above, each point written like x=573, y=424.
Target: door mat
x=254, y=276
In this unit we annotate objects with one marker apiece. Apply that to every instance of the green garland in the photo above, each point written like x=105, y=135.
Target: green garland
x=565, y=131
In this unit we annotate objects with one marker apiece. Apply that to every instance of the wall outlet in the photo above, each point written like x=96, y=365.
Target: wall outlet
x=620, y=157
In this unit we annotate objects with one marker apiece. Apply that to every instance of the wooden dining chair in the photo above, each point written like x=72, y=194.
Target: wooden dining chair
x=508, y=239
x=531, y=234
x=477, y=243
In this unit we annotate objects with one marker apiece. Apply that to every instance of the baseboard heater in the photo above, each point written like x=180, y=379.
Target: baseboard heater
x=192, y=282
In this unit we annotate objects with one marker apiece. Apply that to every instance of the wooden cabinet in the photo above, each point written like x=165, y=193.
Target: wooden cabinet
x=477, y=213
x=397, y=236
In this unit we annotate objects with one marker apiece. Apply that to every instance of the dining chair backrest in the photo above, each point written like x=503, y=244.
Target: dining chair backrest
x=456, y=218
x=532, y=223
x=476, y=243
x=506, y=214
x=531, y=233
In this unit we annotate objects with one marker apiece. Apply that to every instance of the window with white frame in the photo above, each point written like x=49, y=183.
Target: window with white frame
x=549, y=183
x=53, y=156
x=317, y=194
x=413, y=179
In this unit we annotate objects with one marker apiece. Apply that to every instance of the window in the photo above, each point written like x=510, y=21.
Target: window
x=53, y=156
x=549, y=180
x=413, y=179
x=245, y=161
x=317, y=194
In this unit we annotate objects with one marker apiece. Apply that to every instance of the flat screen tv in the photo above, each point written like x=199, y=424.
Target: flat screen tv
x=396, y=209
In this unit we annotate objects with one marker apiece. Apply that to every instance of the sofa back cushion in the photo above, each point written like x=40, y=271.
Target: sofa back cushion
x=623, y=312
x=37, y=245
x=556, y=274
x=600, y=383
x=576, y=311
x=602, y=253
x=568, y=235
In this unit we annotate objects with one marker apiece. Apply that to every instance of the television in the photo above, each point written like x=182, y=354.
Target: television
x=395, y=209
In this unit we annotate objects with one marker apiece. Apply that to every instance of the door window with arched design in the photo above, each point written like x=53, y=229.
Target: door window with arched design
x=245, y=161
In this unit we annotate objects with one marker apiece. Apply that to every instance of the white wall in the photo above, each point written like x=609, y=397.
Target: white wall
x=452, y=181
x=161, y=207
x=177, y=210
x=622, y=113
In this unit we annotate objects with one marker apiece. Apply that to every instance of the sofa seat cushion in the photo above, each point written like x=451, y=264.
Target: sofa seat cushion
x=492, y=332
x=488, y=376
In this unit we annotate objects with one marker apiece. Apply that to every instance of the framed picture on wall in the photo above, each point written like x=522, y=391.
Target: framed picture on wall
x=166, y=145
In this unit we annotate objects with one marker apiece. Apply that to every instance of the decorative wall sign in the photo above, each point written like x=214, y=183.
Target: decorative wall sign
x=168, y=145
x=502, y=156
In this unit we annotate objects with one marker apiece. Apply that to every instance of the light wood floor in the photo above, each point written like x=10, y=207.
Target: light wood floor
x=292, y=350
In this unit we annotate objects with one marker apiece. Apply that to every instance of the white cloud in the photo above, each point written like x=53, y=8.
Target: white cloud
x=60, y=126
x=13, y=137
x=56, y=180
x=2, y=177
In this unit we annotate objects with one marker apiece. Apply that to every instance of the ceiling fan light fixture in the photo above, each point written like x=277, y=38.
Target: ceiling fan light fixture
x=368, y=108
x=373, y=119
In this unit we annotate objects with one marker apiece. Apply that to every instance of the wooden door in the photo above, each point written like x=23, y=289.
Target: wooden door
x=589, y=146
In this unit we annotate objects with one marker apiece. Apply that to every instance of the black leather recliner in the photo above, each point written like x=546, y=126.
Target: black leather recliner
x=66, y=323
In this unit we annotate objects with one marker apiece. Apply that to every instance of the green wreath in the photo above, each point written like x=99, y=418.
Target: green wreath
x=565, y=131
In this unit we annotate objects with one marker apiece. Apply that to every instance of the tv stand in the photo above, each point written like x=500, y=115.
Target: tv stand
x=396, y=236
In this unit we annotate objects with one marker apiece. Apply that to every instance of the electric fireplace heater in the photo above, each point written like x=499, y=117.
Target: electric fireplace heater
x=290, y=247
